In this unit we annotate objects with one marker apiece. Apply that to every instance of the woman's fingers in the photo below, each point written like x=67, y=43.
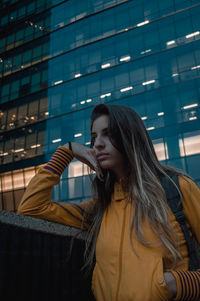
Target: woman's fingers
x=99, y=172
x=95, y=163
x=87, y=156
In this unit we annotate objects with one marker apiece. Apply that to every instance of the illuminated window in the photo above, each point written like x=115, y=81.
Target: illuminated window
x=28, y=174
x=18, y=179
x=161, y=151
x=189, y=145
x=78, y=169
x=75, y=169
x=7, y=181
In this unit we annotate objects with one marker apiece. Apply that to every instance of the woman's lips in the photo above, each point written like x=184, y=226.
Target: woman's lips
x=102, y=157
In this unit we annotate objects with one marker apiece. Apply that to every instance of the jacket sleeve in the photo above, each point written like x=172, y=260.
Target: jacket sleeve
x=36, y=201
x=188, y=282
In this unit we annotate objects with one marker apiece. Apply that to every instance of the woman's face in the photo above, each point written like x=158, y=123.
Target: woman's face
x=107, y=155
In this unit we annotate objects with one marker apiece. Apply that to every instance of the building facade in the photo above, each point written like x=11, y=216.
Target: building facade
x=60, y=58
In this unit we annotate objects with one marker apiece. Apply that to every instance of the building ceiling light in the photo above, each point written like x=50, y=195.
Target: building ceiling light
x=82, y=102
x=174, y=74
x=170, y=42
x=4, y=154
x=151, y=128
x=195, y=67
x=58, y=82
x=35, y=145
x=142, y=23
x=78, y=135
x=77, y=75
x=125, y=58
x=193, y=34
x=146, y=51
x=19, y=150
x=148, y=82
x=190, y=106
x=105, y=95
x=144, y=117
x=126, y=89
x=88, y=100
x=56, y=140
x=193, y=118
x=160, y=113
x=105, y=65
x=87, y=143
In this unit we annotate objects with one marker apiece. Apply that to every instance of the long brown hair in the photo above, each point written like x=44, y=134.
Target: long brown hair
x=128, y=135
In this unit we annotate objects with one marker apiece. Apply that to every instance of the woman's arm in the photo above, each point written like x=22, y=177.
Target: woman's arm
x=37, y=202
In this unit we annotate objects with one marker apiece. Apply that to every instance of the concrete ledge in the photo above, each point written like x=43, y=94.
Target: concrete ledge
x=36, y=224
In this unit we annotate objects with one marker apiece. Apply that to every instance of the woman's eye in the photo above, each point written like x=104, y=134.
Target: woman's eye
x=93, y=139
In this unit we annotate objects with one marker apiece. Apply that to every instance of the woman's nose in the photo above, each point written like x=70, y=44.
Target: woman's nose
x=99, y=142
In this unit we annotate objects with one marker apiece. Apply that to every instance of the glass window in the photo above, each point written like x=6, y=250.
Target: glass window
x=4, y=20
x=18, y=179
x=27, y=57
x=29, y=31
x=17, y=62
x=190, y=144
x=8, y=201
x=160, y=149
x=10, y=39
x=15, y=89
x=22, y=113
x=28, y=175
x=122, y=78
x=5, y=92
x=35, y=82
x=31, y=7
x=7, y=181
x=21, y=12
x=43, y=107
x=20, y=35
x=75, y=169
x=19, y=144
x=75, y=187
x=2, y=43
x=33, y=109
x=31, y=144
x=184, y=24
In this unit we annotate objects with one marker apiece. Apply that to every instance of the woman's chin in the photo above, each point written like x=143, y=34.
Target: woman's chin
x=105, y=165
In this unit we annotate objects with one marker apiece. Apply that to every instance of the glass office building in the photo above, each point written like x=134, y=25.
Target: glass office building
x=60, y=58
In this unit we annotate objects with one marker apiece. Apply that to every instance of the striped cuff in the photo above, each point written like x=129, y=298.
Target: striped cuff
x=60, y=160
x=188, y=285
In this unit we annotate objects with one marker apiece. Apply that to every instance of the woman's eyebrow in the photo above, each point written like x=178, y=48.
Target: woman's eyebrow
x=103, y=130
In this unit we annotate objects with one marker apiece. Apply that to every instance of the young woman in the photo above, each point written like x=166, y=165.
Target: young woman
x=140, y=249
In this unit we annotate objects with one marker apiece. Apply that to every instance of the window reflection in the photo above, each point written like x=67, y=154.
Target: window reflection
x=161, y=151
x=189, y=145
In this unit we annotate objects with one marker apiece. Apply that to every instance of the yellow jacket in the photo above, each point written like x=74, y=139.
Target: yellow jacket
x=120, y=274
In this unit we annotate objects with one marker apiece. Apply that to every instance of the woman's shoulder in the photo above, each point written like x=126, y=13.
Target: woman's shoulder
x=187, y=184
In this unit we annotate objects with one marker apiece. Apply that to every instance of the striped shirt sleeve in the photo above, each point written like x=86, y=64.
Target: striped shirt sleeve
x=60, y=160
x=188, y=285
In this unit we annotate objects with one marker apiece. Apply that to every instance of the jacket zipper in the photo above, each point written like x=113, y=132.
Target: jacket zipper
x=120, y=255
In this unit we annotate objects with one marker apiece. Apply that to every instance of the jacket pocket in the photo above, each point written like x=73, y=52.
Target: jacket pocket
x=160, y=290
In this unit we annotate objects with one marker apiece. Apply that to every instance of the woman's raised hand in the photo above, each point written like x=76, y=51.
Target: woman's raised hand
x=87, y=156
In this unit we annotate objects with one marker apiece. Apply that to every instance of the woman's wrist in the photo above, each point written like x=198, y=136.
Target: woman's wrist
x=68, y=145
